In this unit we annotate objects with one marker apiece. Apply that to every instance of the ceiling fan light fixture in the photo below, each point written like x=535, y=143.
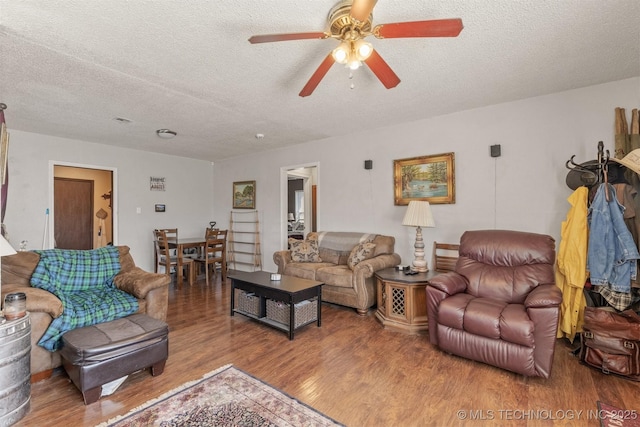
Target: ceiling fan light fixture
x=354, y=64
x=341, y=53
x=362, y=49
x=350, y=21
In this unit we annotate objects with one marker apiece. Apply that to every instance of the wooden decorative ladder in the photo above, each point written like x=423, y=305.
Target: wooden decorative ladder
x=243, y=242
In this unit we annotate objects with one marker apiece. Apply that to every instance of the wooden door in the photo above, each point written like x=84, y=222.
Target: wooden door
x=73, y=212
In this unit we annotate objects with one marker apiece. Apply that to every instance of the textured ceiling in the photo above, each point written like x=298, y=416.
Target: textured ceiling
x=69, y=67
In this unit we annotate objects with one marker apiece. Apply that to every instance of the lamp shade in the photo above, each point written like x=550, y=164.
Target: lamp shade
x=362, y=49
x=5, y=247
x=418, y=214
x=341, y=53
x=290, y=217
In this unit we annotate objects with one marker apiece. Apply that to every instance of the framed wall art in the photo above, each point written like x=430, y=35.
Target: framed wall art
x=244, y=195
x=429, y=178
x=157, y=183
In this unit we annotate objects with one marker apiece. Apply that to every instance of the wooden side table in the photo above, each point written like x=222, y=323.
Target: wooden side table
x=402, y=300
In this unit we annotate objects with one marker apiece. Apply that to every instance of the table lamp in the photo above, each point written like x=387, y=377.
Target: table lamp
x=5, y=247
x=419, y=215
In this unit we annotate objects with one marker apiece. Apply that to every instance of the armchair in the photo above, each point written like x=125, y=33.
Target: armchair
x=151, y=290
x=500, y=305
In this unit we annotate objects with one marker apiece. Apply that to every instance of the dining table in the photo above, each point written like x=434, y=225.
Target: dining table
x=180, y=245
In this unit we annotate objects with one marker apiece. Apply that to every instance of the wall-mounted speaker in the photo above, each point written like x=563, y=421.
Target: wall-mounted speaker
x=495, y=150
x=368, y=164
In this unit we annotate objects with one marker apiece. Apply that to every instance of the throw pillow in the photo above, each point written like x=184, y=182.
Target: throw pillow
x=304, y=250
x=360, y=252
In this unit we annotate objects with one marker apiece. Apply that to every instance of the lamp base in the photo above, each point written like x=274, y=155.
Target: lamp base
x=419, y=264
x=419, y=269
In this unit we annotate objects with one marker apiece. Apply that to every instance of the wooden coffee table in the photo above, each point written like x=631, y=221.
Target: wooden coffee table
x=290, y=290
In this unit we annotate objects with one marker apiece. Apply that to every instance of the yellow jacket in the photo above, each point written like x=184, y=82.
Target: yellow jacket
x=571, y=265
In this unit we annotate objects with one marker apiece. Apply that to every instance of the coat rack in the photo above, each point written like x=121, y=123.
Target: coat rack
x=590, y=173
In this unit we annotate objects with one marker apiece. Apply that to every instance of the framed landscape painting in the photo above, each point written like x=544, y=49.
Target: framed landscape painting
x=244, y=195
x=429, y=178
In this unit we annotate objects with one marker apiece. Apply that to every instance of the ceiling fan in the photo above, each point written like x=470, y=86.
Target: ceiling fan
x=350, y=22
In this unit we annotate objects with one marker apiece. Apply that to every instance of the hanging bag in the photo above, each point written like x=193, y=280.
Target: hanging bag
x=611, y=342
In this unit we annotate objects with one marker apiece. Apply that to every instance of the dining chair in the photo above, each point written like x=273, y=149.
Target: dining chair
x=165, y=259
x=172, y=236
x=214, y=252
x=445, y=256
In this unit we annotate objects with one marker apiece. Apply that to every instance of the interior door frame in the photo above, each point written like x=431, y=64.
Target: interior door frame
x=51, y=216
x=284, y=193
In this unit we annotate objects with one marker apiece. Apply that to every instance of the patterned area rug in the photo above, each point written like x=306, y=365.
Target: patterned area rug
x=224, y=397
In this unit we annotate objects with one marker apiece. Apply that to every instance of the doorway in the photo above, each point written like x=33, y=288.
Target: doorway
x=299, y=211
x=84, y=214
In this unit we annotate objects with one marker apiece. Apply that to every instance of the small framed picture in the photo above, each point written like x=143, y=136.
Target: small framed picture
x=160, y=208
x=430, y=178
x=244, y=195
x=157, y=183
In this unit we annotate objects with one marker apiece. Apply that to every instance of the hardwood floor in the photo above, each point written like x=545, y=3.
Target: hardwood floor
x=351, y=369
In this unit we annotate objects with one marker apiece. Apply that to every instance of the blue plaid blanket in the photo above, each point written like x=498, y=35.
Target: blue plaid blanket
x=83, y=281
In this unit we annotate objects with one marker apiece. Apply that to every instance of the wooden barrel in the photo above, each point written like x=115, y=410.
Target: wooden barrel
x=15, y=370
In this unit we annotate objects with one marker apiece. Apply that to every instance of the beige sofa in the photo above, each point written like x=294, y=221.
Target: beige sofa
x=151, y=290
x=346, y=281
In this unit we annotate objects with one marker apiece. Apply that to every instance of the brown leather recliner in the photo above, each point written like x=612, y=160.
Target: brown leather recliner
x=500, y=305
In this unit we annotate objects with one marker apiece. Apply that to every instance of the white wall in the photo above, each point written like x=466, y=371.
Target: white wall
x=188, y=196
x=524, y=189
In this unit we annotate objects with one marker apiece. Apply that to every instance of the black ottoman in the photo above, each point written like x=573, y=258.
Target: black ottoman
x=98, y=354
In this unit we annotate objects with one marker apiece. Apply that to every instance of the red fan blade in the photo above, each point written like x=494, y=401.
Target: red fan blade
x=382, y=70
x=268, y=38
x=435, y=28
x=361, y=9
x=317, y=76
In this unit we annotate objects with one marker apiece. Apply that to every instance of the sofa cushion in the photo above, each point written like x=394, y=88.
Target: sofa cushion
x=338, y=275
x=304, y=270
x=452, y=309
x=68, y=270
x=482, y=317
x=126, y=260
x=304, y=250
x=384, y=245
x=333, y=256
x=359, y=253
x=18, y=268
x=487, y=317
x=336, y=246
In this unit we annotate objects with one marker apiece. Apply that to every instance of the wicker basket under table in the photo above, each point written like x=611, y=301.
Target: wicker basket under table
x=304, y=312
